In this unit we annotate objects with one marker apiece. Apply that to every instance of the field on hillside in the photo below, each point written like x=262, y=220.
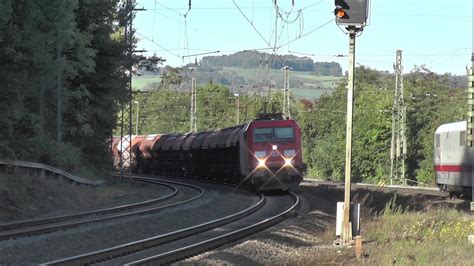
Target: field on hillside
x=141, y=82
x=303, y=84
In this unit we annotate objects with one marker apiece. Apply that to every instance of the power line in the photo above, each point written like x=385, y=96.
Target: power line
x=157, y=44
x=306, y=34
x=167, y=8
x=268, y=7
x=251, y=23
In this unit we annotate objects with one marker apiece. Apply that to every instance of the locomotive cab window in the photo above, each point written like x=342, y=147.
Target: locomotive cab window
x=274, y=134
x=263, y=134
x=284, y=134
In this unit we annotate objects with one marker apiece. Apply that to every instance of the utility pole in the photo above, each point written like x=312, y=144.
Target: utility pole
x=286, y=93
x=193, y=106
x=398, y=145
x=126, y=118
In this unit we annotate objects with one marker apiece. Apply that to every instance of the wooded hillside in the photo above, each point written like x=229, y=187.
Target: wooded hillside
x=62, y=80
x=254, y=59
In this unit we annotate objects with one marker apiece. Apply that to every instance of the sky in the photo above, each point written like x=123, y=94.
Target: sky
x=434, y=33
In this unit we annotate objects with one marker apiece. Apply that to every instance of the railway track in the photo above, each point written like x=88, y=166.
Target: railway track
x=47, y=225
x=173, y=246
x=398, y=188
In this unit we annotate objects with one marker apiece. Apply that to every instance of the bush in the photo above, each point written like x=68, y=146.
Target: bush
x=421, y=238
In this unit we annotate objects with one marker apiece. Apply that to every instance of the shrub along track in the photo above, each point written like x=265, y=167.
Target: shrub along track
x=180, y=244
x=47, y=225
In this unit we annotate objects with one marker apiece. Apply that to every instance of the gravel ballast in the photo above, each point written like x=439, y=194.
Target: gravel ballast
x=43, y=248
x=308, y=239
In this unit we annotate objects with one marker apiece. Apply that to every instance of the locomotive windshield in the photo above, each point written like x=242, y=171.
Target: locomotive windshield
x=274, y=134
x=263, y=134
x=284, y=134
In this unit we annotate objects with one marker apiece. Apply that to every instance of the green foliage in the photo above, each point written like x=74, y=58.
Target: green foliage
x=430, y=100
x=165, y=111
x=63, y=80
x=62, y=62
x=422, y=238
x=168, y=110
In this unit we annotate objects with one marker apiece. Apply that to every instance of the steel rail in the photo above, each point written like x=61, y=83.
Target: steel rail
x=46, y=228
x=55, y=219
x=184, y=252
x=106, y=254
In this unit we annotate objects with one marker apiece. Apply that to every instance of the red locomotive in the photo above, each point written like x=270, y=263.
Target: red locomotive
x=264, y=153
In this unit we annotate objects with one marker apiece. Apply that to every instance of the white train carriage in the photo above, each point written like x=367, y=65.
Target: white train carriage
x=453, y=159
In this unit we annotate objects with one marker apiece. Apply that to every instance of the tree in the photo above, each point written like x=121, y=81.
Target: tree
x=63, y=79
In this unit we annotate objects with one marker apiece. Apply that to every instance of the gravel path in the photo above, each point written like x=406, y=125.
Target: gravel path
x=217, y=202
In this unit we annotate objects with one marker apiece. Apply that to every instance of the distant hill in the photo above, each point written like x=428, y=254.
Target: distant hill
x=303, y=84
x=249, y=72
x=254, y=59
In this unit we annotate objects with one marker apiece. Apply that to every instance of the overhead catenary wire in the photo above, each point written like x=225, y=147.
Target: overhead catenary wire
x=157, y=44
x=251, y=23
x=307, y=33
x=209, y=34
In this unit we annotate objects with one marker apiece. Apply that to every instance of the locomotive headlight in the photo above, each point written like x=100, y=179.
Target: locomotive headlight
x=261, y=157
x=288, y=156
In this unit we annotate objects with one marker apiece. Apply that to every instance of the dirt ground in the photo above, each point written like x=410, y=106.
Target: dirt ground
x=26, y=196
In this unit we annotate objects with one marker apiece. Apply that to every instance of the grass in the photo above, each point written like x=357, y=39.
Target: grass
x=299, y=93
x=314, y=86
x=257, y=74
x=140, y=82
x=435, y=236
x=400, y=237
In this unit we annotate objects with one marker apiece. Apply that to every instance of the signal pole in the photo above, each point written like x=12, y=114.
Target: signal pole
x=398, y=145
x=347, y=227
x=352, y=15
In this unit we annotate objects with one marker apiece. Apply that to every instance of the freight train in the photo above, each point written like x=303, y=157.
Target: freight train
x=264, y=153
x=453, y=159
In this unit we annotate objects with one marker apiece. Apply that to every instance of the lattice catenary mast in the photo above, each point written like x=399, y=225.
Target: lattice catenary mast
x=126, y=118
x=398, y=146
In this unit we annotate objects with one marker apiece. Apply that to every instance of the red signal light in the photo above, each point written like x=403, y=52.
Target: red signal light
x=340, y=13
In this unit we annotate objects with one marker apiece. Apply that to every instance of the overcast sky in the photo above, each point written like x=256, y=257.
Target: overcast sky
x=435, y=33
